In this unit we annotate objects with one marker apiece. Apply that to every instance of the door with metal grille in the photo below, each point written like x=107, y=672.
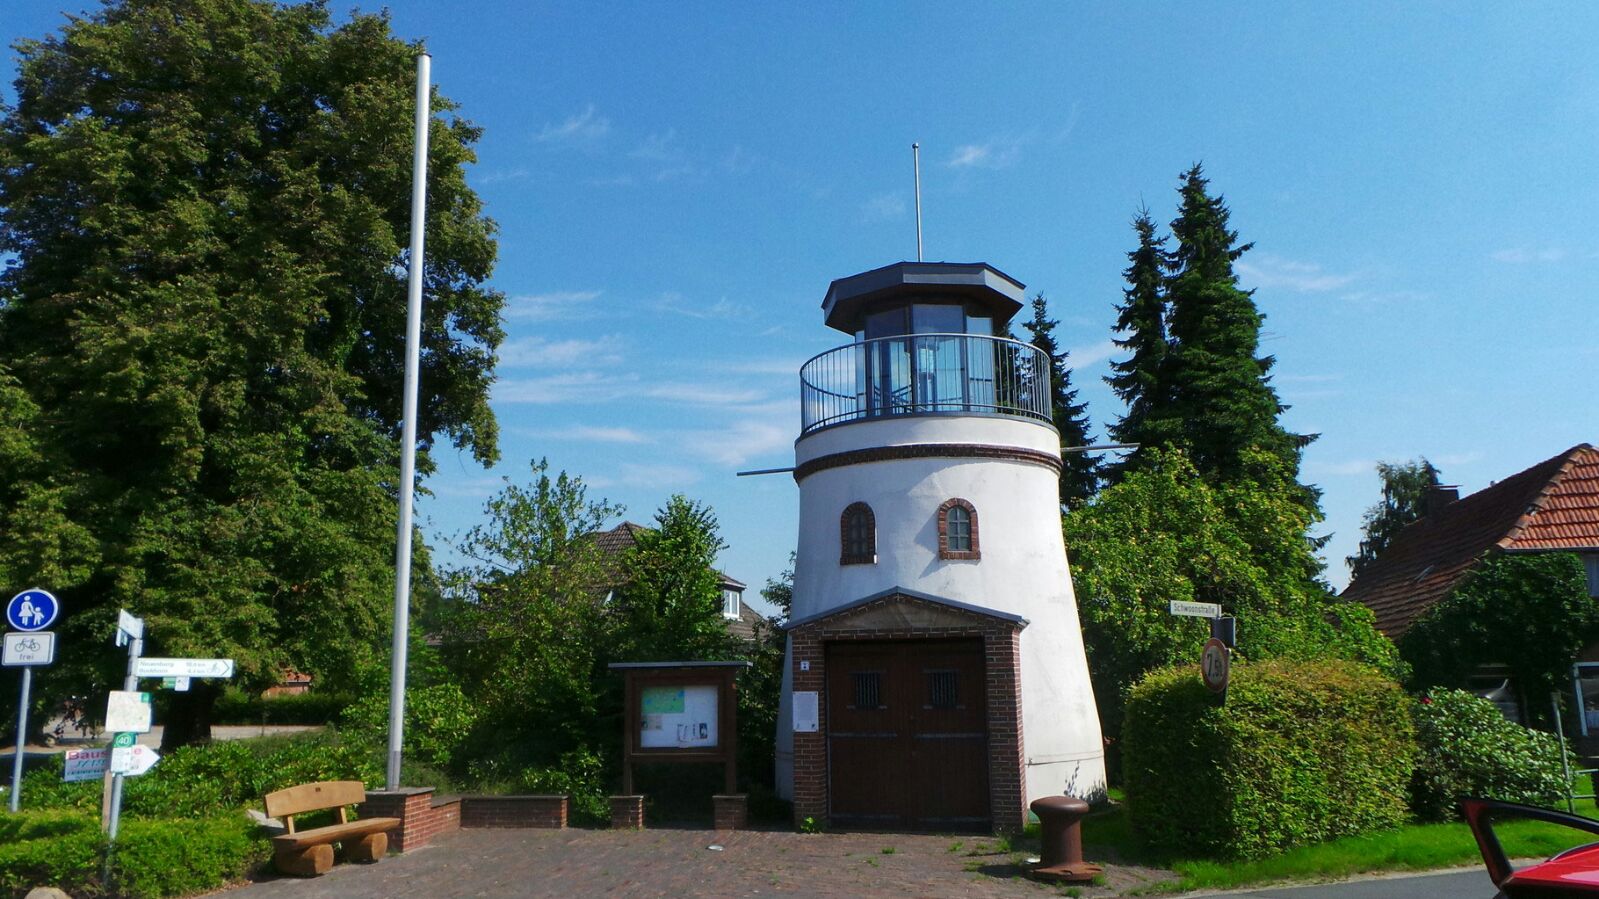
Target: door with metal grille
x=907, y=735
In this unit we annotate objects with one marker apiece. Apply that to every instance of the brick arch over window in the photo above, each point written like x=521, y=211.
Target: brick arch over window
x=857, y=532
x=957, y=531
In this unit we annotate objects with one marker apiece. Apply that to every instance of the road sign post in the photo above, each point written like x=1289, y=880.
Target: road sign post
x=30, y=612
x=130, y=633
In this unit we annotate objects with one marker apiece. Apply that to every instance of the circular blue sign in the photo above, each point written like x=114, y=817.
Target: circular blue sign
x=32, y=610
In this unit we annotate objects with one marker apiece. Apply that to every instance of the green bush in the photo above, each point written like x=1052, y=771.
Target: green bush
x=235, y=706
x=152, y=858
x=1299, y=753
x=1467, y=748
x=438, y=721
x=580, y=775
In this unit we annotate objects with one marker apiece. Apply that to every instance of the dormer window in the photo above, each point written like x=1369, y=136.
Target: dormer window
x=858, y=535
x=957, y=531
x=730, y=603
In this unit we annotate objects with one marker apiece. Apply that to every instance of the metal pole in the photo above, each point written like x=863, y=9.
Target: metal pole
x=1565, y=762
x=413, y=338
x=916, y=164
x=130, y=682
x=22, y=731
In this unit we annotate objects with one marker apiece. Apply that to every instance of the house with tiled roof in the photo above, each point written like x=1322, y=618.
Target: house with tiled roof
x=1552, y=506
x=742, y=621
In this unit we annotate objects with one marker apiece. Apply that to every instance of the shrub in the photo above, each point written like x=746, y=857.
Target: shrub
x=438, y=721
x=580, y=775
x=1467, y=748
x=1299, y=753
x=152, y=858
x=235, y=706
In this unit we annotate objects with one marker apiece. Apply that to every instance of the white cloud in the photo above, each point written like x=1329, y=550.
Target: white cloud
x=1302, y=277
x=1306, y=379
x=593, y=387
x=586, y=433
x=663, y=477
x=1347, y=468
x=1522, y=255
x=1093, y=354
x=538, y=352
x=587, y=125
x=472, y=488
x=738, y=161
x=739, y=442
x=499, y=175
x=548, y=306
x=995, y=154
x=1384, y=297
x=613, y=181
x=883, y=207
x=658, y=147
x=725, y=309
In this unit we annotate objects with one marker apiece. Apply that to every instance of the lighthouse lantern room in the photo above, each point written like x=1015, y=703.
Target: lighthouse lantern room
x=935, y=676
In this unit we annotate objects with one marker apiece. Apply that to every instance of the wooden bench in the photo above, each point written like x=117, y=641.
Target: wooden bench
x=310, y=852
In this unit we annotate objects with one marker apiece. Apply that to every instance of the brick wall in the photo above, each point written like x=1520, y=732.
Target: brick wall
x=422, y=815
x=514, y=811
x=731, y=811
x=627, y=812
x=1002, y=658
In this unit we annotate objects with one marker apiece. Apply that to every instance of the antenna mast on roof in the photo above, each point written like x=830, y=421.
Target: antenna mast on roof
x=916, y=165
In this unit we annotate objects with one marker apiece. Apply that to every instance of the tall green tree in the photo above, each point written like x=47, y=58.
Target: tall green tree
x=670, y=604
x=207, y=204
x=1079, y=473
x=1164, y=534
x=1404, y=495
x=1139, y=379
x=1218, y=398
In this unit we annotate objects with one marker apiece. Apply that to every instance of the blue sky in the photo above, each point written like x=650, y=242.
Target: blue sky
x=676, y=185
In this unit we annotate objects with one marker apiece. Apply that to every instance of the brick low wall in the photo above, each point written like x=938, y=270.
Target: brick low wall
x=422, y=815
x=514, y=811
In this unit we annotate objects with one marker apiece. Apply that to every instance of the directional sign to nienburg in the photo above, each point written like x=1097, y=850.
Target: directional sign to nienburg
x=32, y=610
x=183, y=667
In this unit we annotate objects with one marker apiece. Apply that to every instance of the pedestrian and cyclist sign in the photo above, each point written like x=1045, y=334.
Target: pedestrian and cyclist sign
x=32, y=610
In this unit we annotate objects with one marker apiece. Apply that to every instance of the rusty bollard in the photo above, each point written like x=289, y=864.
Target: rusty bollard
x=1061, y=856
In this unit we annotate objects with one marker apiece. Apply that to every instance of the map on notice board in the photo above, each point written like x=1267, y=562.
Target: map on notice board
x=678, y=717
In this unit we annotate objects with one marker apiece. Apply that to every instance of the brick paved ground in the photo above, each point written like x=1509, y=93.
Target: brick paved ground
x=578, y=863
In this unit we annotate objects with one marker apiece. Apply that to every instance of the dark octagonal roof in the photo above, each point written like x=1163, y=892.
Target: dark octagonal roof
x=849, y=299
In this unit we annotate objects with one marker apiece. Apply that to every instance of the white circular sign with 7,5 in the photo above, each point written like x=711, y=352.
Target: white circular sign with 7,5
x=1215, y=665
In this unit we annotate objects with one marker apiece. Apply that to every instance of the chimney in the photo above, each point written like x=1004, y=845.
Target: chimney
x=1438, y=496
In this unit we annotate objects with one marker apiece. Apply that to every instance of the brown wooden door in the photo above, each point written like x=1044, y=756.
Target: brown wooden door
x=907, y=735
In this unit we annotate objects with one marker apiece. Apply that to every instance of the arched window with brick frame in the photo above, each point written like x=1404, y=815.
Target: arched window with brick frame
x=857, y=529
x=957, y=531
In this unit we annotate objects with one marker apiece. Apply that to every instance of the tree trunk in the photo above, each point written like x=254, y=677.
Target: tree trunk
x=189, y=718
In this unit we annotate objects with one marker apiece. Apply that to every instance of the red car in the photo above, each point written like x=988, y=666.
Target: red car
x=1574, y=872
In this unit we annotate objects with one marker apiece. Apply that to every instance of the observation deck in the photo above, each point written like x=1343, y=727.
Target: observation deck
x=924, y=374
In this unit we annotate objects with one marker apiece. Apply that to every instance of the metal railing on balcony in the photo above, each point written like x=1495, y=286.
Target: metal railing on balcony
x=924, y=374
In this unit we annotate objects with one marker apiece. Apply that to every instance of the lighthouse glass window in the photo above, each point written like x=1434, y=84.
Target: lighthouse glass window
x=958, y=530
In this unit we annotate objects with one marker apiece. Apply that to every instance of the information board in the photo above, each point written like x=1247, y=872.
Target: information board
x=678, y=717
x=85, y=764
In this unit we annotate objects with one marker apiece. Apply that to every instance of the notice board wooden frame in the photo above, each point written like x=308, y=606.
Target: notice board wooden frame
x=638, y=675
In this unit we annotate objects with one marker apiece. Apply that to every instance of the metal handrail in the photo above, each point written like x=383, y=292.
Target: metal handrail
x=924, y=374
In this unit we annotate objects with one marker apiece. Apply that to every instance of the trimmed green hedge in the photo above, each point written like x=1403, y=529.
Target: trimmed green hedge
x=1300, y=753
x=1468, y=748
x=152, y=858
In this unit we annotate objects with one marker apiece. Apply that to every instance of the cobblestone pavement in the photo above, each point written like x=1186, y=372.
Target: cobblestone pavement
x=578, y=863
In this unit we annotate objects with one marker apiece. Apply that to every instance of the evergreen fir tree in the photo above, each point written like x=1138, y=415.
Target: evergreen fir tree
x=1141, y=320
x=1079, y=474
x=1221, y=401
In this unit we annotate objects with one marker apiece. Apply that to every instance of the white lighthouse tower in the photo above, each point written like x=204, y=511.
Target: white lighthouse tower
x=935, y=676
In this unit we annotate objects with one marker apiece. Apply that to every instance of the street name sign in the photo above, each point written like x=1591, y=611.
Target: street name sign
x=85, y=764
x=1196, y=609
x=128, y=711
x=29, y=648
x=134, y=760
x=154, y=667
x=32, y=610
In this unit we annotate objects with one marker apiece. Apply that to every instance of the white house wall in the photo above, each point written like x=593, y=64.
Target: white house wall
x=1023, y=569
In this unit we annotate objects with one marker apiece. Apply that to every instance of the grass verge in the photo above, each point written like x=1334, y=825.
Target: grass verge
x=1418, y=847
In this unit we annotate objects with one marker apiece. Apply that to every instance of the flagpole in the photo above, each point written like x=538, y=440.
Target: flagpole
x=413, y=339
